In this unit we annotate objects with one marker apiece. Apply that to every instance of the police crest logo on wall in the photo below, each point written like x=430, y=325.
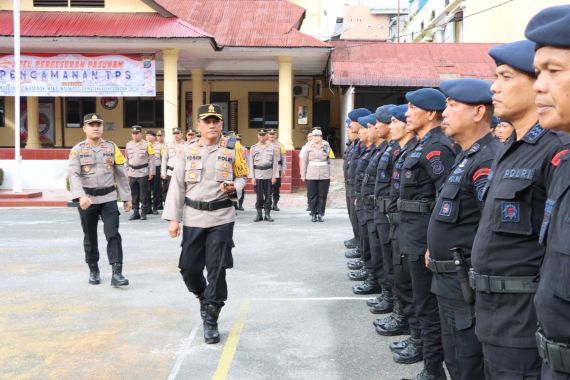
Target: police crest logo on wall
x=511, y=212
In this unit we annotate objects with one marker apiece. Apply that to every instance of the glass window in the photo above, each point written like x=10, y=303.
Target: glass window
x=263, y=109
x=146, y=112
x=76, y=108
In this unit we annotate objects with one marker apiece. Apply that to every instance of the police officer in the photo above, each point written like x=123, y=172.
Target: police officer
x=350, y=142
x=154, y=194
x=282, y=165
x=552, y=300
x=190, y=135
x=506, y=255
x=263, y=170
x=140, y=169
x=169, y=157
x=454, y=221
x=245, y=154
x=162, y=145
x=403, y=319
x=95, y=167
x=423, y=173
x=208, y=177
x=357, y=151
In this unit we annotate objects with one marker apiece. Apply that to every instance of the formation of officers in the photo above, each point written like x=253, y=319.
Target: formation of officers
x=461, y=235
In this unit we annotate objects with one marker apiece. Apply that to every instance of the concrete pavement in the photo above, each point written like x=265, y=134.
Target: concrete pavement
x=291, y=313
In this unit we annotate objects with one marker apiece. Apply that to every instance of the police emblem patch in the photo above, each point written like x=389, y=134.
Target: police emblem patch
x=73, y=154
x=510, y=212
x=86, y=169
x=446, y=208
x=436, y=165
x=408, y=174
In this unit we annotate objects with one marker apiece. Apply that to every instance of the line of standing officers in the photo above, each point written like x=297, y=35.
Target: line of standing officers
x=462, y=236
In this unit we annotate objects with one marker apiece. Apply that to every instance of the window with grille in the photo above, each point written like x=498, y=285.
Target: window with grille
x=148, y=112
x=263, y=110
x=76, y=108
x=70, y=3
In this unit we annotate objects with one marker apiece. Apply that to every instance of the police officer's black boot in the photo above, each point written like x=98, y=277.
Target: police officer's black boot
x=240, y=205
x=320, y=218
x=369, y=286
x=94, y=275
x=355, y=265
x=275, y=208
x=385, y=304
x=350, y=243
x=118, y=279
x=412, y=352
x=259, y=217
x=135, y=215
x=394, y=324
x=313, y=217
x=268, y=216
x=211, y=333
x=143, y=216
x=432, y=371
x=202, y=306
x=353, y=254
x=401, y=344
x=359, y=275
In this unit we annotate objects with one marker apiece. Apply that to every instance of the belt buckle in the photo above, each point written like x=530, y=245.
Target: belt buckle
x=541, y=345
x=432, y=265
x=210, y=206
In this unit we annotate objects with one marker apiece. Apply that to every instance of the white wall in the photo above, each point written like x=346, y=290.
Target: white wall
x=36, y=174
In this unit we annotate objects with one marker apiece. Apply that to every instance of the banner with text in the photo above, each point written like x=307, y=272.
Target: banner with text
x=80, y=75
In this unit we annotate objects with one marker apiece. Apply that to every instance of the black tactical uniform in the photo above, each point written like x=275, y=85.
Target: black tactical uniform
x=506, y=255
x=424, y=171
x=349, y=155
x=453, y=224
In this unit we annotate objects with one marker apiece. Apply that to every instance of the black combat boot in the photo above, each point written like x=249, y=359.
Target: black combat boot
x=359, y=275
x=240, y=205
x=320, y=218
x=143, y=216
x=268, y=216
x=401, y=344
x=372, y=301
x=313, y=217
x=135, y=215
x=355, y=265
x=259, y=217
x=118, y=279
x=94, y=275
x=275, y=208
x=353, y=254
x=369, y=286
x=350, y=243
x=432, y=371
x=385, y=304
x=412, y=352
x=211, y=333
x=202, y=306
x=395, y=324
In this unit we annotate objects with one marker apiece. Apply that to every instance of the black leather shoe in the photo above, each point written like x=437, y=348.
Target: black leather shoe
x=211, y=333
x=94, y=275
x=400, y=345
x=359, y=275
x=135, y=216
x=355, y=265
x=143, y=216
x=350, y=243
x=385, y=304
x=314, y=218
x=259, y=217
x=118, y=279
x=275, y=208
x=366, y=288
x=320, y=218
x=392, y=325
x=412, y=353
x=352, y=254
x=268, y=217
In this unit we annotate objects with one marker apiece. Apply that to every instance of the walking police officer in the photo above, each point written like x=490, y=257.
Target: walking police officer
x=96, y=166
x=208, y=177
x=506, y=255
x=140, y=169
x=263, y=170
x=455, y=218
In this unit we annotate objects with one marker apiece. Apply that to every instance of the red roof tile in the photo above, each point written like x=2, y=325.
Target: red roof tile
x=74, y=24
x=368, y=63
x=246, y=23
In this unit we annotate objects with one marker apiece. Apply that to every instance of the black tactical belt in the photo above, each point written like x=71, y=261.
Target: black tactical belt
x=382, y=203
x=393, y=218
x=208, y=206
x=421, y=207
x=445, y=266
x=138, y=166
x=369, y=200
x=262, y=167
x=170, y=167
x=557, y=355
x=98, y=191
x=502, y=284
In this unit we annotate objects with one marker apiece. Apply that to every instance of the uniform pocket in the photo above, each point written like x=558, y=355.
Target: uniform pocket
x=447, y=208
x=562, y=287
x=463, y=318
x=193, y=171
x=512, y=207
x=410, y=172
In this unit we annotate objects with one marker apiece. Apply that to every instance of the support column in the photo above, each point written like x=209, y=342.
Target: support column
x=286, y=101
x=170, y=60
x=197, y=90
x=33, y=110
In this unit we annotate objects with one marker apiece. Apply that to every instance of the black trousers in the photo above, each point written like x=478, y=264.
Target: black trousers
x=317, y=192
x=154, y=193
x=139, y=193
x=165, y=186
x=276, y=190
x=510, y=363
x=385, y=247
x=209, y=248
x=425, y=306
x=109, y=213
x=402, y=280
x=549, y=374
x=351, y=214
x=462, y=350
x=364, y=241
x=263, y=192
x=376, y=263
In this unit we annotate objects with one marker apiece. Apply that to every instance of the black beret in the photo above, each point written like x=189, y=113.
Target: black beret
x=427, y=98
x=358, y=112
x=150, y=132
x=550, y=27
x=468, y=90
x=518, y=54
x=383, y=113
x=363, y=121
x=399, y=112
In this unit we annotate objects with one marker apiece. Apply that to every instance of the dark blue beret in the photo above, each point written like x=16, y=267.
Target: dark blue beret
x=428, y=99
x=383, y=113
x=518, y=54
x=363, y=121
x=358, y=112
x=495, y=121
x=371, y=119
x=550, y=27
x=399, y=112
x=467, y=90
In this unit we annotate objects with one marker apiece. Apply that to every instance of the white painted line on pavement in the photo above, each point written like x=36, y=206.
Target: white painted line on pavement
x=181, y=355
x=314, y=299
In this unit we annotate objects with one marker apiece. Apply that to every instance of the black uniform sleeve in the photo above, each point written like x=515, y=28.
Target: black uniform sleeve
x=438, y=162
x=480, y=180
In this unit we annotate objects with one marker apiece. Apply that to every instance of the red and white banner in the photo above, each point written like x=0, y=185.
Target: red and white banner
x=80, y=75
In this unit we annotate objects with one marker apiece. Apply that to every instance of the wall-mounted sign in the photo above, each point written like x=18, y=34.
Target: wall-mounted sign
x=109, y=102
x=79, y=75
